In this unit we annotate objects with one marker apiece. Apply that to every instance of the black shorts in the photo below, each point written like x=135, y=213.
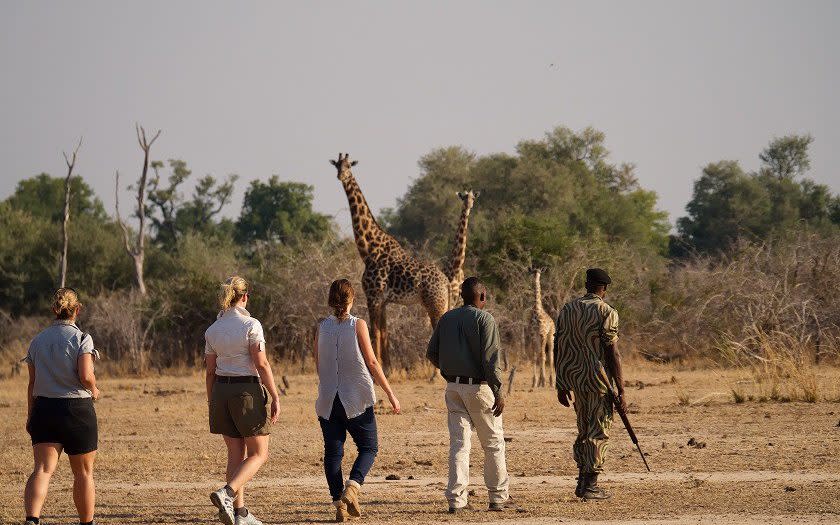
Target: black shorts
x=71, y=422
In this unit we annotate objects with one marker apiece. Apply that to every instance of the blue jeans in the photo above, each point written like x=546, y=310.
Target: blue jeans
x=363, y=431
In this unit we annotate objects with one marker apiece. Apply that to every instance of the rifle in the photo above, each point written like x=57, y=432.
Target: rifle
x=616, y=401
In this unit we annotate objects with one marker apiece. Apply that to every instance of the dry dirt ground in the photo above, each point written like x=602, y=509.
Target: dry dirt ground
x=762, y=463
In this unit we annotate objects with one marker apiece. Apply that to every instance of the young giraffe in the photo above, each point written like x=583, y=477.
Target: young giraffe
x=454, y=269
x=542, y=333
x=391, y=275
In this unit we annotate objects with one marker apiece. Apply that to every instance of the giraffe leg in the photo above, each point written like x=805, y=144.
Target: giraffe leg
x=541, y=361
x=375, y=332
x=383, y=331
x=534, y=376
x=549, y=351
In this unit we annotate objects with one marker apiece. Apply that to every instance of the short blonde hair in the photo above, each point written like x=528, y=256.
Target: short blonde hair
x=65, y=303
x=232, y=291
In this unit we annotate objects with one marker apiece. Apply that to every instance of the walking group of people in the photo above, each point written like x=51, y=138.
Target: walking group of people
x=243, y=401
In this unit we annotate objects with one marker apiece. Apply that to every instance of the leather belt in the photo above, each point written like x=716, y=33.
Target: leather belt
x=237, y=379
x=464, y=380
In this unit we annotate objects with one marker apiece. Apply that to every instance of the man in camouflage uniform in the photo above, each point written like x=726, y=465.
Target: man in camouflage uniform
x=586, y=357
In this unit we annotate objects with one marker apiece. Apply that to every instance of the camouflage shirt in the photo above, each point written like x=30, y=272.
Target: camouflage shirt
x=585, y=327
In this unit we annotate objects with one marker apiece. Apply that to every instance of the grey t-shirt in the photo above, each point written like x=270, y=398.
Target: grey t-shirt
x=55, y=355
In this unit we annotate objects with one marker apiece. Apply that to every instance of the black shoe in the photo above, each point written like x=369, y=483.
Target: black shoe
x=499, y=507
x=591, y=490
x=459, y=510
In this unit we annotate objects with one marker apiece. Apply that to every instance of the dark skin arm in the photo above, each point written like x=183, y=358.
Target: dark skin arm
x=613, y=362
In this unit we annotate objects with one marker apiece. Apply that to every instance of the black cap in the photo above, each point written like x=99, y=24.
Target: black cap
x=597, y=276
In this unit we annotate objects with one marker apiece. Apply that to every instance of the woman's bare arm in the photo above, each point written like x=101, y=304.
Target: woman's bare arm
x=373, y=364
x=315, y=346
x=266, y=376
x=209, y=373
x=86, y=375
x=29, y=390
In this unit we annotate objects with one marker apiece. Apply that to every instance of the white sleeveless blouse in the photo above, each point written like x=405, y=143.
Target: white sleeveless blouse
x=342, y=369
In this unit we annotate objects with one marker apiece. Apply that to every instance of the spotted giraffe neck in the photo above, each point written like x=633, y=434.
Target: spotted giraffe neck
x=459, y=249
x=538, y=294
x=370, y=237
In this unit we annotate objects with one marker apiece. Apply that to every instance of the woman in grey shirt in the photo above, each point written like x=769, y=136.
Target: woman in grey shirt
x=60, y=415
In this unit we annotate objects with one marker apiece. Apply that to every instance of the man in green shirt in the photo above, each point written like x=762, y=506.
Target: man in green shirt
x=465, y=347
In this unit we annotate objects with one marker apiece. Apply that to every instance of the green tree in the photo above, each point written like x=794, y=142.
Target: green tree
x=29, y=254
x=43, y=196
x=280, y=212
x=728, y=203
x=787, y=157
x=173, y=217
x=534, y=204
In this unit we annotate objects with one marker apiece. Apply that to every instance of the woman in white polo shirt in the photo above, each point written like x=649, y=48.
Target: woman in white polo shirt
x=242, y=397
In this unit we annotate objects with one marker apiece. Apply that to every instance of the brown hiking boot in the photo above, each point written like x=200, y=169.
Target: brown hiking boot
x=341, y=514
x=351, y=498
x=591, y=490
x=502, y=506
x=460, y=510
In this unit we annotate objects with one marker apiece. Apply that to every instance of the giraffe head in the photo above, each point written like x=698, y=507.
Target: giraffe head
x=343, y=165
x=469, y=197
x=536, y=271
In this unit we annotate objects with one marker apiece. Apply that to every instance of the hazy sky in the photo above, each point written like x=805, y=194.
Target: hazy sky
x=279, y=88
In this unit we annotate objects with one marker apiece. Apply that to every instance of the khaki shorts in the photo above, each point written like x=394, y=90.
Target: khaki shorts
x=240, y=410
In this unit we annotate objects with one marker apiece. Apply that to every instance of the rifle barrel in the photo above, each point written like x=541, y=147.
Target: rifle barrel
x=629, y=428
x=643, y=456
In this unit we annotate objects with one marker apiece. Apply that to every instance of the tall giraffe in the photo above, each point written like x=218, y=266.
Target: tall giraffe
x=454, y=269
x=391, y=275
x=542, y=336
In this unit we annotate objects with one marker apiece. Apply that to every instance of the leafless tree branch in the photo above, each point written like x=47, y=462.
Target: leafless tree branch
x=71, y=163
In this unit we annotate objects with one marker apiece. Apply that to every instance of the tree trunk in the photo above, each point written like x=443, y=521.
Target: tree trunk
x=71, y=163
x=136, y=249
x=65, y=240
x=138, y=273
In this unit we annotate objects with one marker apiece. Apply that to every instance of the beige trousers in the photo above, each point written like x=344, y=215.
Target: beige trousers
x=469, y=408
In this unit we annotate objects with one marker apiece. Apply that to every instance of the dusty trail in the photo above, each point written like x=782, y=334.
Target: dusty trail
x=753, y=463
x=518, y=483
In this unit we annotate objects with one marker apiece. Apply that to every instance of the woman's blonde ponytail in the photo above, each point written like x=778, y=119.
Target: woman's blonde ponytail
x=232, y=291
x=65, y=303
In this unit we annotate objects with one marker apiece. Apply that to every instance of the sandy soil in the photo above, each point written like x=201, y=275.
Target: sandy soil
x=762, y=463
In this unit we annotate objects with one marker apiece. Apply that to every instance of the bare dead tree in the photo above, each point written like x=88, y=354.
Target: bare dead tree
x=137, y=250
x=71, y=163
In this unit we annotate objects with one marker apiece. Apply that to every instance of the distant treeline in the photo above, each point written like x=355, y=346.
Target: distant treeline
x=557, y=202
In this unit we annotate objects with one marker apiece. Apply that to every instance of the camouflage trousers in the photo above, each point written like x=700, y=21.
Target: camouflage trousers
x=594, y=417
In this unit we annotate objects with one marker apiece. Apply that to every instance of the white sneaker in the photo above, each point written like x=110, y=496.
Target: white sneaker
x=224, y=503
x=250, y=519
